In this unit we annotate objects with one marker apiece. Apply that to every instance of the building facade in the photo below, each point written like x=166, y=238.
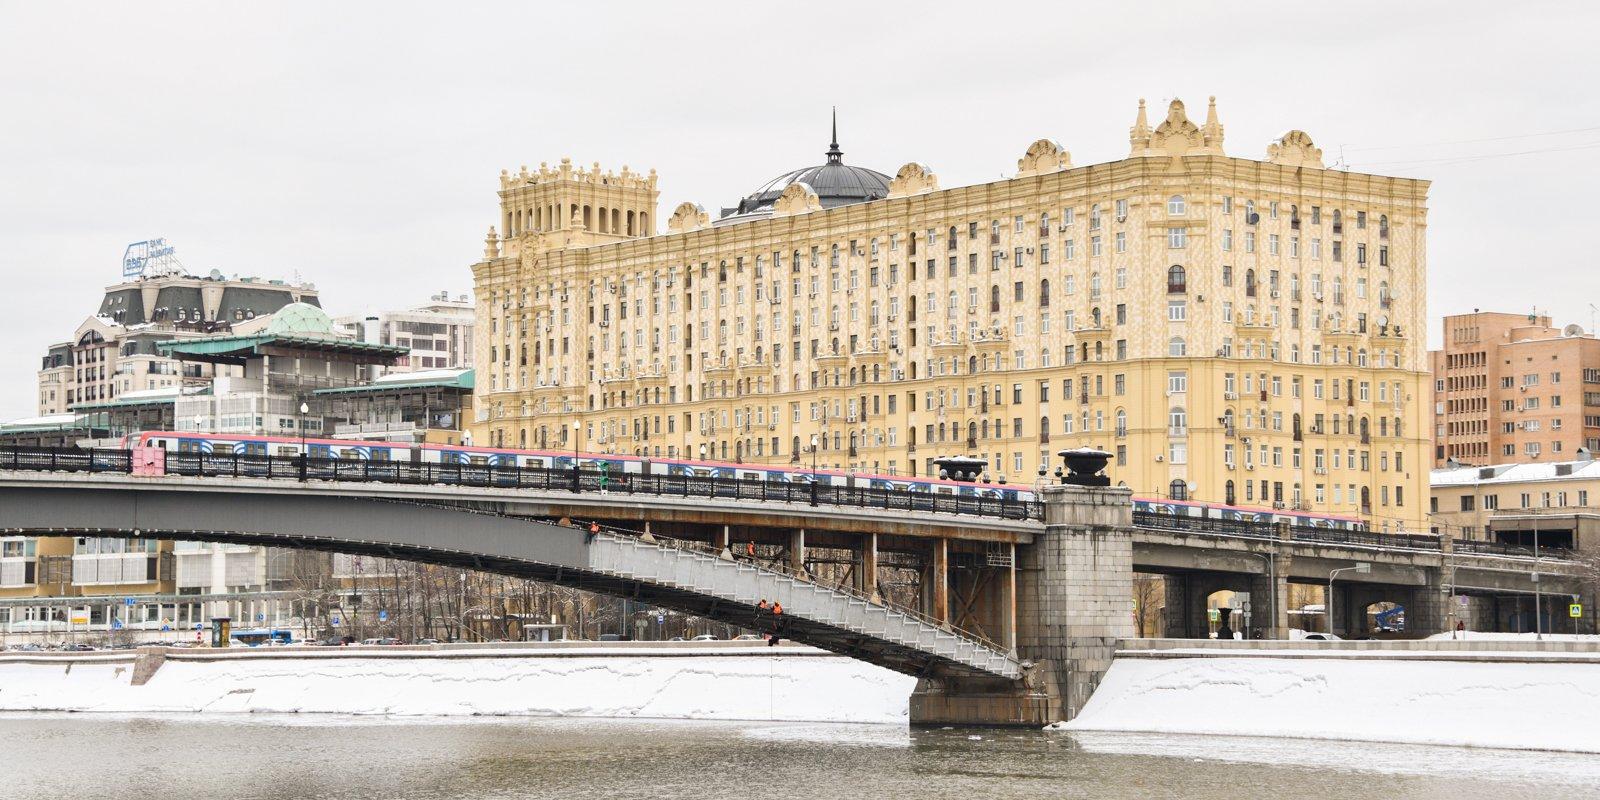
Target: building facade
x=1232, y=330
x=1468, y=500
x=114, y=351
x=438, y=333
x=1513, y=387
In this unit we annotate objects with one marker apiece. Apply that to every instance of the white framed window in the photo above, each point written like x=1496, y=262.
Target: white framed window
x=1177, y=310
x=1177, y=238
x=1175, y=206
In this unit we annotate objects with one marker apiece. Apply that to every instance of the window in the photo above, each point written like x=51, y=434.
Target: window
x=1176, y=347
x=1177, y=311
x=1175, y=205
x=1177, y=238
x=1177, y=382
x=1177, y=280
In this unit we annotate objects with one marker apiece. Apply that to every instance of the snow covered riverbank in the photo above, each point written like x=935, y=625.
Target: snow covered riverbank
x=794, y=684
x=1518, y=705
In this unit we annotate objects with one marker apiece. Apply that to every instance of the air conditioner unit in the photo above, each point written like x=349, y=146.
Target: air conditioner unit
x=1122, y=217
x=1230, y=395
x=1321, y=470
x=1250, y=466
x=1274, y=294
x=1062, y=228
x=1229, y=466
x=813, y=295
x=1160, y=459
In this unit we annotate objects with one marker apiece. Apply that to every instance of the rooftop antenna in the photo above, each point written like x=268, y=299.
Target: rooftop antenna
x=1592, y=312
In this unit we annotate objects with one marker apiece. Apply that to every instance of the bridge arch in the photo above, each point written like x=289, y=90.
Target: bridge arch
x=657, y=572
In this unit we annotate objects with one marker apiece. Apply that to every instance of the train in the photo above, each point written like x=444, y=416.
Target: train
x=427, y=453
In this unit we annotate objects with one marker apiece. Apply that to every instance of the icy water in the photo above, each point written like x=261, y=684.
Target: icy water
x=264, y=757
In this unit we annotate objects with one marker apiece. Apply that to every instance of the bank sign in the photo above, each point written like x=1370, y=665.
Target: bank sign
x=139, y=256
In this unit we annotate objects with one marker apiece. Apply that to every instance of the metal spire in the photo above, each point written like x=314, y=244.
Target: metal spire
x=835, y=155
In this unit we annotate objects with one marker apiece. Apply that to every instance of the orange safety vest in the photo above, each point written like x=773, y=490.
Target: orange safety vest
x=750, y=547
x=594, y=527
x=777, y=608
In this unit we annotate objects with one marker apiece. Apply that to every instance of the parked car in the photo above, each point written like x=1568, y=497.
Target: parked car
x=746, y=637
x=76, y=647
x=1323, y=637
x=704, y=637
x=613, y=637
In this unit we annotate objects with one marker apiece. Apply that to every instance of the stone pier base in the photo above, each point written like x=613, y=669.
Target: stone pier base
x=1034, y=702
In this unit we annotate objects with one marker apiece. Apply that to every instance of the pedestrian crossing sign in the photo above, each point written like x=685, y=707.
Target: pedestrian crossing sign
x=1575, y=610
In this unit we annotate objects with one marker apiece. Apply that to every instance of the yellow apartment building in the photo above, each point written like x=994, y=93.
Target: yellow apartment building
x=1233, y=330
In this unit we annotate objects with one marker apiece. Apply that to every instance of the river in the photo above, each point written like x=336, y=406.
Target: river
x=294, y=757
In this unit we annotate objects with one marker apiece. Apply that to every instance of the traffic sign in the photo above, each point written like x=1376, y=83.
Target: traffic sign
x=116, y=624
x=335, y=622
x=383, y=615
x=1575, y=610
x=127, y=601
x=261, y=618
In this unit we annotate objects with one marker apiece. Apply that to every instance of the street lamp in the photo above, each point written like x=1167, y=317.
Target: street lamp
x=1538, y=595
x=301, y=424
x=573, y=427
x=1327, y=602
x=813, y=469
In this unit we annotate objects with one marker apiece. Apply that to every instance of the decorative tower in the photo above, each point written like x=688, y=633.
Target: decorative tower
x=604, y=206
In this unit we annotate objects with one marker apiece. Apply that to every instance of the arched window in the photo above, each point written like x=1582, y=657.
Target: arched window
x=911, y=308
x=1178, y=490
x=994, y=299
x=1177, y=280
x=1044, y=293
x=1094, y=314
x=1228, y=495
x=1366, y=500
x=1338, y=221
x=1044, y=429
x=1094, y=217
x=1383, y=226
x=1121, y=419
x=1249, y=283
x=972, y=434
x=1178, y=420
x=972, y=365
x=1176, y=347
x=1175, y=205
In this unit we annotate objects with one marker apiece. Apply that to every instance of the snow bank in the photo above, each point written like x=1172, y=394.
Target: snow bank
x=1538, y=706
x=808, y=687
x=1483, y=636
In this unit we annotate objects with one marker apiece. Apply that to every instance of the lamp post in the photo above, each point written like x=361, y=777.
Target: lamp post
x=576, y=475
x=1538, y=595
x=301, y=424
x=813, y=469
x=1327, y=602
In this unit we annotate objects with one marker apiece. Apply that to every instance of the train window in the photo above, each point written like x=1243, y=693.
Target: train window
x=380, y=454
x=477, y=460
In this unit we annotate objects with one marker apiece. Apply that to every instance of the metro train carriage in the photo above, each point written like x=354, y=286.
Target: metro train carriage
x=478, y=464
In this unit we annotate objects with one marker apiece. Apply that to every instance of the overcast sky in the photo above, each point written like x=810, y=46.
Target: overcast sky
x=358, y=145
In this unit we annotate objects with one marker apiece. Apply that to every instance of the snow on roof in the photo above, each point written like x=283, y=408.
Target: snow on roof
x=1515, y=473
x=421, y=375
x=48, y=419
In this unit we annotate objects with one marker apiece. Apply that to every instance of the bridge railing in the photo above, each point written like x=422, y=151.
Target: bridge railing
x=512, y=476
x=1152, y=520
x=784, y=568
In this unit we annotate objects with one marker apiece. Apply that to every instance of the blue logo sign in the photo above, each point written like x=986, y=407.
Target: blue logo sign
x=127, y=601
x=336, y=621
x=260, y=617
x=116, y=624
x=383, y=616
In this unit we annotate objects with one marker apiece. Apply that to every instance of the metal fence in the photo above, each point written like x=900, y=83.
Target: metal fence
x=1151, y=520
x=245, y=465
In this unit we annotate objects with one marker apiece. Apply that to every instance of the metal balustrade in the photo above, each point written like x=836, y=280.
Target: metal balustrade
x=246, y=465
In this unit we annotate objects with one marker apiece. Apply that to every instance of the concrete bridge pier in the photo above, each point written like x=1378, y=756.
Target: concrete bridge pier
x=1074, y=601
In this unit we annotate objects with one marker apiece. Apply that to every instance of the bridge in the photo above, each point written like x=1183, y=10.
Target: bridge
x=1008, y=610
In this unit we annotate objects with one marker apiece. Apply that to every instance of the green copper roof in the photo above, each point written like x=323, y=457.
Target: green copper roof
x=239, y=347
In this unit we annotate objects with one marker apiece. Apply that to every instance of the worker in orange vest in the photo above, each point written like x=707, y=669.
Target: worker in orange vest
x=777, y=611
x=594, y=530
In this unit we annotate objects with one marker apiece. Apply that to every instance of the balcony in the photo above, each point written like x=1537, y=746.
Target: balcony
x=1177, y=430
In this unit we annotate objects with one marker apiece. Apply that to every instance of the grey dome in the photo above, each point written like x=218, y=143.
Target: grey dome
x=836, y=184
